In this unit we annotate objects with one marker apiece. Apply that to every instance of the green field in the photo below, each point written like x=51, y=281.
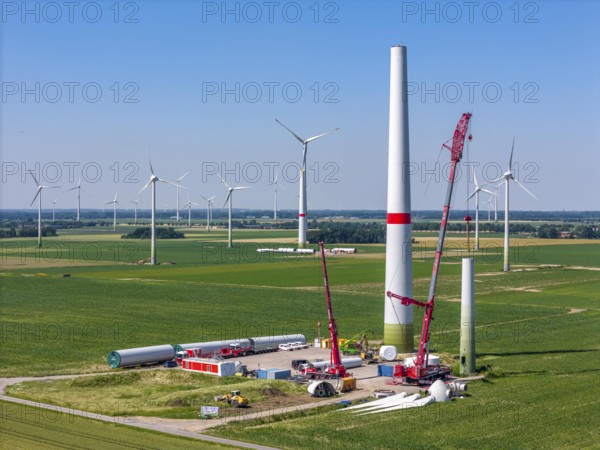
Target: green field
x=27, y=427
x=537, y=334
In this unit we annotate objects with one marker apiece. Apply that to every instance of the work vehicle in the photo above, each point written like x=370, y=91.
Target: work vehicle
x=235, y=399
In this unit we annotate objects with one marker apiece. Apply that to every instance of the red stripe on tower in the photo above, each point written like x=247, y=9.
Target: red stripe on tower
x=398, y=218
x=301, y=215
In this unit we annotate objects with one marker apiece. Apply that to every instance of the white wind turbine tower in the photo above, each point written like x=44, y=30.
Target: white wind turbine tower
x=153, y=180
x=489, y=203
x=508, y=175
x=178, y=180
x=496, y=205
x=229, y=200
x=54, y=210
x=114, y=202
x=302, y=219
x=188, y=205
x=78, y=187
x=274, y=184
x=38, y=195
x=209, y=202
x=135, y=208
x=475, y=193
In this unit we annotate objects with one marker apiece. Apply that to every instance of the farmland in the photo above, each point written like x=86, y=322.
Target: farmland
x=537, y=337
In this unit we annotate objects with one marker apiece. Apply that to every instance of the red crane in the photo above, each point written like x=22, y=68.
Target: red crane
x=335, y=369
x=421, y=372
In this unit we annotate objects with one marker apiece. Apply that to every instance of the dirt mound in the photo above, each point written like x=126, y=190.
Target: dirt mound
x=273, y=392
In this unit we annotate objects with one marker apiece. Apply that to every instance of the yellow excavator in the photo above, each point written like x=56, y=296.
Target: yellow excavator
x=235, y=399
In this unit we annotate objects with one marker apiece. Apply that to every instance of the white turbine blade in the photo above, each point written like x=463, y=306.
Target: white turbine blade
x=194, y=203
x=72, y=189
x=212, y=198
x=205, y=198
x=142, y=189
x=511, y=154
x=223, y=181
x=471, y=196
x=36, y=196
x=320, y=135
x=228, y=197
x=526, y=190
x=37, y=183
x=51, y=187
x=489, y=192
x=475, y=180
x=493, y=181
x=295, y=135
x=149, y=162
x=239, y=188
x=183, y=176
x=171, y=182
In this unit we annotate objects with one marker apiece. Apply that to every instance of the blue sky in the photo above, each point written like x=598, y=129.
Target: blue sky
x=152, y=77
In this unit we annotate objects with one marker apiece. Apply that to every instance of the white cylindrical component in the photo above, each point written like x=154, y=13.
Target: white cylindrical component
x=398, y=319
x=140, y=355
x=302, y=204
x=506, y=229
x=467, y=318
x=349, y=363
x=432, y=360
x=439, y=391
x=388, y=352
x=271, y=343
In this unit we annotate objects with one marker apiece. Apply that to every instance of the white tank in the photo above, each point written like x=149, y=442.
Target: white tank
x=266, y=343
x=349, y=363
x=434, y=360
x=140, y=355
x=388, y=352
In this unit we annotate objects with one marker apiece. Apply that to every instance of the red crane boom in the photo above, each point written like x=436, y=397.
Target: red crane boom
x=336, y=366
x=420, y=371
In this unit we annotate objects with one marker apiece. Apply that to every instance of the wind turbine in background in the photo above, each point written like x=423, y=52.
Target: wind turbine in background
x=188, y=205
x=78, y=187
x=178, y=180
x=475, y=193
x=54, y=210
x=274, y=184
x=496, y=204
x=489, y=203
x=229, y=200
x=302, y=219
x=38, y=195
x=114, y=202
x=507, y=177
x=152, y=181
x=135, y=208
x=209, y=203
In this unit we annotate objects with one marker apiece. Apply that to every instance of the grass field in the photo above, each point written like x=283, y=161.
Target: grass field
x=537, y=334
x=27, y=427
